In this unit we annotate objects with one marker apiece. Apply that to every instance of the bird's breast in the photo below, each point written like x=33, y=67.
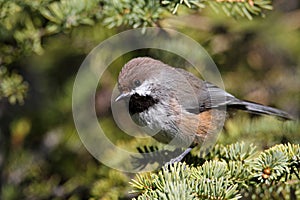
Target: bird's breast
x=172, y=123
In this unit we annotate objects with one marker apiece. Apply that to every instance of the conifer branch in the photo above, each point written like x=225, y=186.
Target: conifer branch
x=232, y=172
x=12, y=86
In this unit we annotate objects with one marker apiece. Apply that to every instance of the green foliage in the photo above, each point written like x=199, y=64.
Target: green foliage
x=48, y=39
x=232, y=8
x=166, y=185
x=233, y=171
x=65, y=14
x=277, y=162
x=137, y=13
x=12, y=86
x=27, y=23
x=110, y=185
x=30, y=21
x=241, y=8
x=214, y=181
x=143, y=13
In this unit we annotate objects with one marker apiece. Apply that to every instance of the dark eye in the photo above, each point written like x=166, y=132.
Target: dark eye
x=137, y=83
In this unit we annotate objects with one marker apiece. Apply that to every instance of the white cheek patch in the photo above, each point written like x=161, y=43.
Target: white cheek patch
x=143, y=89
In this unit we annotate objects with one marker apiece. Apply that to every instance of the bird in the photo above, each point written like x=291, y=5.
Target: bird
x=185, y=108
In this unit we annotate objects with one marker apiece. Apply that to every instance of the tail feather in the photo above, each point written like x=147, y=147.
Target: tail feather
x=260, y=109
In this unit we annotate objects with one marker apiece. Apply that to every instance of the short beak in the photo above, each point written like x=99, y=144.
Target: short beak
x=123, y=96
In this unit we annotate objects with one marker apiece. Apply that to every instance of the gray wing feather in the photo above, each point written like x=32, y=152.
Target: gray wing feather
x=210, y=96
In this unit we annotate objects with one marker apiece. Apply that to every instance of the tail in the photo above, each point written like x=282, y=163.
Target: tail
x=259, y=109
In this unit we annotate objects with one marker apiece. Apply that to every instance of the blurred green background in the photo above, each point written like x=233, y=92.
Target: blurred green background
x=42, y=156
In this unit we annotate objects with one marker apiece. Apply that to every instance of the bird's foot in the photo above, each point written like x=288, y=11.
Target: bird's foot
x=177, y=159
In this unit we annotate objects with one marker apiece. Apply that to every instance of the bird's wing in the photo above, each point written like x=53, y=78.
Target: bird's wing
x=208, y=95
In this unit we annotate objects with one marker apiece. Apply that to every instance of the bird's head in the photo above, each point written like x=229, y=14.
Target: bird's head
x=139, y=76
